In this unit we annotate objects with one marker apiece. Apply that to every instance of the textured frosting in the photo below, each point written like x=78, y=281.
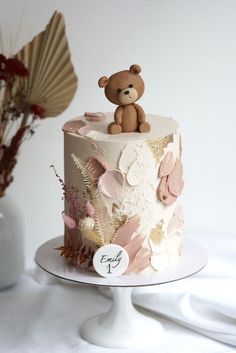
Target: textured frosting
x=123, y=179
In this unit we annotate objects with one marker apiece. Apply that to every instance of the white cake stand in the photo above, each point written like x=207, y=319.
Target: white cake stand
x=122, y=326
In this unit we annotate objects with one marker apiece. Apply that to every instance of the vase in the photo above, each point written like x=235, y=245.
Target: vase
x=11, y=242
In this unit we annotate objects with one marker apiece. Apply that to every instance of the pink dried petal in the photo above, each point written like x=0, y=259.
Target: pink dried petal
x=163, y=193
x=134, y=246
x=166, y=165
x=125, y=232
x=95, y=168
x=73, y=126
x=175, y=180
x=111, y=183
x=94, y=116
x=69, y=221
x=84, y=130
x=89, y=209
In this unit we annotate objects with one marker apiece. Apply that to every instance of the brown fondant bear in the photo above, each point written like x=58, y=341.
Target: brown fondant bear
x=124, y=88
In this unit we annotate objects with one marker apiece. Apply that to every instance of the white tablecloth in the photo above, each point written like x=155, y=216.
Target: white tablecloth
x=37, y=316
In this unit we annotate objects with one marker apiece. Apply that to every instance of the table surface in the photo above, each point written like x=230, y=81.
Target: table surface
x=43, y=314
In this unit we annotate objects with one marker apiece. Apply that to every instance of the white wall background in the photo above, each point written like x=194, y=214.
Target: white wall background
x=187, y=50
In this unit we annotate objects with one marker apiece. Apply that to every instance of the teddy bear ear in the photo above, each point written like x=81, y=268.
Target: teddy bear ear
x=135, y=69
x=103, y=81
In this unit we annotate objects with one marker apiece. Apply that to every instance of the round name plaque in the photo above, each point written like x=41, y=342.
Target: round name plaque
x=111, y=260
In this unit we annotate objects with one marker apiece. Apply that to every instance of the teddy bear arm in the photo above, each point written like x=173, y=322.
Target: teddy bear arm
x=140, y=113
x=118, y=115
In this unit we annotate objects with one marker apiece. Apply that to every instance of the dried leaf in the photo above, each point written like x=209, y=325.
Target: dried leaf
x=51, y=82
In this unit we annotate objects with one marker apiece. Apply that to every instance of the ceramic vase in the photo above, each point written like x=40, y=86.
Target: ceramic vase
x=11, y=242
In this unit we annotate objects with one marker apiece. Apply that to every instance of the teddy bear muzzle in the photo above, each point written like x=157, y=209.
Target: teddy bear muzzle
x=128, y=95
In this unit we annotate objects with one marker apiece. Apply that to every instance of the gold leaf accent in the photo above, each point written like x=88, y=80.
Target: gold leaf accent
x=51, y=82
x=157, y=234
x=157, y=146
x=117, y=222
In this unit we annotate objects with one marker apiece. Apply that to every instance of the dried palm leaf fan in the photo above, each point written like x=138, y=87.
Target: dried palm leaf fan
x=51, y=82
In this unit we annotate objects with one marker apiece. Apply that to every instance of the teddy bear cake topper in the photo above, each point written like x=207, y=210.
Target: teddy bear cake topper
x=124, y=88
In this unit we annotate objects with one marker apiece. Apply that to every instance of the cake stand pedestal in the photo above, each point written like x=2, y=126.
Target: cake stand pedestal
x=122, y=326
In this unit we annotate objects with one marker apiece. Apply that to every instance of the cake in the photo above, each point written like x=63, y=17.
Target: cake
x=122, y=188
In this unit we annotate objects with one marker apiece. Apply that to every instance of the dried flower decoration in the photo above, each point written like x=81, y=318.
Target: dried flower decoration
x=103, y=227
x=70, y=194
x=81, y=255
x=37, y=82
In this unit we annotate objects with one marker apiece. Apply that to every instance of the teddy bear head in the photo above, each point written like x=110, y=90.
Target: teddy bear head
x=124, y=87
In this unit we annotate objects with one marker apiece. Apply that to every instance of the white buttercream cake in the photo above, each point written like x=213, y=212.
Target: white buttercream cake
x=122, y=189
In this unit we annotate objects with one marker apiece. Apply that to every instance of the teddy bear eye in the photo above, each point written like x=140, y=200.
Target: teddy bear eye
x=131, y=86
x=119, y=90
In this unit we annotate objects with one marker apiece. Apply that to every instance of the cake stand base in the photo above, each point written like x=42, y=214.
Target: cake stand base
x=122, y=326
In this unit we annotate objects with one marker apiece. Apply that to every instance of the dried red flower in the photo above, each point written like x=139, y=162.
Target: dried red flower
x=11, y=67
x=3, y=71
x=37, y=110
x=16, y=67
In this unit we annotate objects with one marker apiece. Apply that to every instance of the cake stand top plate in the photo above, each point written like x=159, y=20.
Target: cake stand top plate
x=193, y=260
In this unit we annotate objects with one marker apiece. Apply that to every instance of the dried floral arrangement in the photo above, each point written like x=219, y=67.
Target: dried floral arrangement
x=88, y=225
x=37, y=82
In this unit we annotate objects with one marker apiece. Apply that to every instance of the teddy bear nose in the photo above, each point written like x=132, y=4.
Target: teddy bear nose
x=126, y=92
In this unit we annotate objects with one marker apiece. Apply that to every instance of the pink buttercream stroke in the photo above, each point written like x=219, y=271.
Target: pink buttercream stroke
x=111, y=183
x=124, y=233
x=171, y=183
x=126, y=236
x=140, y=262
x=95, y=168
x=163, y=193
x=73, y=126
x=84, y=130
x=175, y=182
x=94, y=116
x=166, y=165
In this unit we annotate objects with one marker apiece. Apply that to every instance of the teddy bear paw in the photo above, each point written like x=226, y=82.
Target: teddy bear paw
x=114, y=128
x=144, y=127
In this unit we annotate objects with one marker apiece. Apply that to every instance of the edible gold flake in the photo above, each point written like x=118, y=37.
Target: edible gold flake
x=117, y=222
x=157, y=234
x=157, y=146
